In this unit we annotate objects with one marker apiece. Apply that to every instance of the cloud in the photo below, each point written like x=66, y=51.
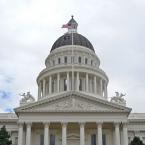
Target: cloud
x=4, y=94
x=9, y=110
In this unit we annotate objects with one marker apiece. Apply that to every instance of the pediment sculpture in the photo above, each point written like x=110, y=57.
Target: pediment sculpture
x=27, y=98
x=118, y=99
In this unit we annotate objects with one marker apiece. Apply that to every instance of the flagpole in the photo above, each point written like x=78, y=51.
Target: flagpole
x=72, y=64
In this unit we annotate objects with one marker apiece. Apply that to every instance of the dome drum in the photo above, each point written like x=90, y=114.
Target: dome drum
x=66, y=81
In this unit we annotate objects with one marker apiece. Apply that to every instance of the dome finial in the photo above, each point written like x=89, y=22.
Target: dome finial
x=72, y=16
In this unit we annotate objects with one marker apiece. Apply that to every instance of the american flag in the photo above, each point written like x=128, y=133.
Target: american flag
x=69, y=26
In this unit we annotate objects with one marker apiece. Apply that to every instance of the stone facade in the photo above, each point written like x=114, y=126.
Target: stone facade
x=73, y=106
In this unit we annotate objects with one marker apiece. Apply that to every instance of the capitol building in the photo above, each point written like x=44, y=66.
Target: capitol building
x=72, y=107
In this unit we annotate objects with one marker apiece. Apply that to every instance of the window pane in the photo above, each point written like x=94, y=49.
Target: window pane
x=86, y=60
x=41, y=139
x=93, y=139
x=58, y=60
x=79, y=59
x=65, y=84
x=80, y=85
x=52, y=139
x=104, y=139
x=65, y=59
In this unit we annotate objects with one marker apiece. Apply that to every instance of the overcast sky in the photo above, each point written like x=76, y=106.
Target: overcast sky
x=28, y=29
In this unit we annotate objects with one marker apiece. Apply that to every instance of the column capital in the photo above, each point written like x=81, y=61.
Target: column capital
x=20, y=123
x=64, y=123
x=117, y=123
x=99, y=122
x=28, y=123
x=82, y=124
x=46, y=123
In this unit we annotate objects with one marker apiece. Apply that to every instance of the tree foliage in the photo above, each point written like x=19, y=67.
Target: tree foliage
x=4, y=137
x=136, y=141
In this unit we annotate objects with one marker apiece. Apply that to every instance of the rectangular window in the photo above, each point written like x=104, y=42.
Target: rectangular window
x=41, y=139
x=79, y=59
x=104, y=139
x=52, y=139
x=65, y=84
x=65, y=59
x=93, y=139
x=80, y=85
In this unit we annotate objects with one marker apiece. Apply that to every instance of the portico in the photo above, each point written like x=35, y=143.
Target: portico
x=82, y=129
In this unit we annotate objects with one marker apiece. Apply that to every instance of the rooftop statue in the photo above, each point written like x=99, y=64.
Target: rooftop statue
x=27, y=98
x=119, y=99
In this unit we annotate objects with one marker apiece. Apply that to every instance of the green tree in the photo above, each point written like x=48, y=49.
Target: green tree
x=136, y=141
x=4, y=137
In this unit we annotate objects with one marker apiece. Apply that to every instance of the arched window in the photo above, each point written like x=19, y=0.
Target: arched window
x=79, y=60
x=53, y=62
x=86, y=61
x=59, y=60
x=91, y=62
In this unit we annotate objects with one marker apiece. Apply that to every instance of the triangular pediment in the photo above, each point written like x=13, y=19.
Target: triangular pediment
x=72, y=103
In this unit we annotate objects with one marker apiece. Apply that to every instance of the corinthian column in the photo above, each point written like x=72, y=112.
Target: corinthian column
x=99, y=125
x=44, y=85
x=46, y=133
x=28, y=134
x=50, y=84
x=64, y=133
x=20, y=134
x=58, y=81
x=87, y=83
x=125, y=134
x=117, y=134
x=95, y=85
x=67, y=81
x=82, y=134
x=101, y=87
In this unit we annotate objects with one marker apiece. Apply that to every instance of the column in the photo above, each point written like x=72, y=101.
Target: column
x=50, y=84
x=82, y=134
x=72, y=83
x=95, y=85
x=78, y=81
x=28, y=134
x=105, y=90
x=58, y=81
x=99, y=126
x=39, y=90
x=117, y=134
x=20, y=134
x=64, y=133
x=67, y=81
x=44, y=84
x=87, y=88
x=46, y=133
x=101, y=87
x=125, y=134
